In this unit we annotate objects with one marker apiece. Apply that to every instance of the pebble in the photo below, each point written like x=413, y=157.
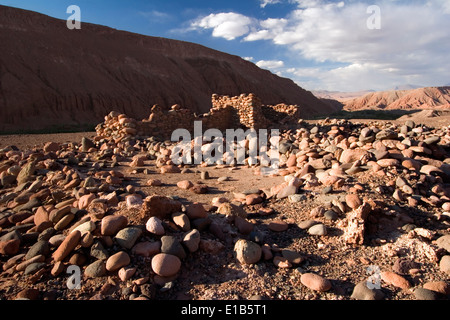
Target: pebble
x=196, y=210
x=95, y=269
x=306, y=224
x=154, y=225
x=444, y=242
x=127, y=237
x=191, y=240
x=395, y=279
x=278, y=226
x=425, y=294
x=441, y=287
x=171, y=245
x=69, y=243
x=353, y=200
x=444, y=264
x=315, y=282
x=10, y=247
x=362, y=292
x=117, y=261
x=185, y=184
x=181, y=220
x=244, y=226
x=147, y=248
x=318, y=230
x=247, y=252
x=110, y=225
x=165, y=265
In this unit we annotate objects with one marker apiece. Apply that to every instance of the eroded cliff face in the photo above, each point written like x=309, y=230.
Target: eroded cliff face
x=53, y=76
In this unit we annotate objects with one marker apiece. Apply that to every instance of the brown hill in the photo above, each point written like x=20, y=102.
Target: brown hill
x=422, y=98
x=50, y=75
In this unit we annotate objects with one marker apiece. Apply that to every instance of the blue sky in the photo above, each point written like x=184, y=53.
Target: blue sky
x=320, y=44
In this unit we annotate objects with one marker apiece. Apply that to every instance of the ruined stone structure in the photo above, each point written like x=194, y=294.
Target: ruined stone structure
x=245, y=111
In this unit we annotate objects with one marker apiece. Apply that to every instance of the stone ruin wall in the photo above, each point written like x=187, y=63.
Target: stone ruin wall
x=244, y=111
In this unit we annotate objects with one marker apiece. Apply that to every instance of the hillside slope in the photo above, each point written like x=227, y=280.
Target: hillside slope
x=53, y=76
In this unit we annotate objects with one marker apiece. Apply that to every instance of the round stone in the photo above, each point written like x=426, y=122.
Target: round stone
x=318, y=230
x=315, y=282
x=362, y=292
x=247, y=252
x=110, y=225
x=165, y=265
x=117, y=261
x=154, y=225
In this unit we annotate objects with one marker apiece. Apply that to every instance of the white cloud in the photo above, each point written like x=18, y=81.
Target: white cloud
x=228, y=25
x=270, y=64
x=411, y=47
x=264, y=3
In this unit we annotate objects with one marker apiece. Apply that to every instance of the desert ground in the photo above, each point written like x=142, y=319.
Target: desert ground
x=384, y=222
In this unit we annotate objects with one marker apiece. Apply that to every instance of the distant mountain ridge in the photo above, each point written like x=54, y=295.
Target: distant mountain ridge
x=421, y=98
x=53, y=76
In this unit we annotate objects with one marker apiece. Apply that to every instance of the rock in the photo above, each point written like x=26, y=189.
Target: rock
x=244, y=226
x=315, y=282
x=253, y=199
x=204, y=175
x=412, y=164
x=40, y=247
x=386, y=134
x=196, y=211
x=278, y=226
x=353, y=201
x=126, y=273
x=165, y=265
x=9, y=247
x=199, y=189
x=384, y=163
x=86, y=144
x=441, y=287
x=181, y=220
x=352, y=155
x=98, y=251
x=429, y=170
x=295, y=198
x=159, y=206
x=247, y=252
x=362, y=292
x=330, y=215
x=170, y=169
x=318, y=230
x=154, y=182
x=154, y=225
x=425, y=294
x=110, y=225
x=85, y=227
x=147, y=248
x=403, y=265
x=185, y=184
x=306, y=224
x=127, y=237
x=117, y=261
x=191, y=240
x=293, y=257
x=444, y=242
x=287, y=191
x=29, y=294
x=395, y=279
x=66, y=247
x=26, y=173
x=444, y=265
x=95, y=269
x=171, y=245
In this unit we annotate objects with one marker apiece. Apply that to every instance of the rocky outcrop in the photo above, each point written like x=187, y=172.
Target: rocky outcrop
x=422, y=98
x=52, y=76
